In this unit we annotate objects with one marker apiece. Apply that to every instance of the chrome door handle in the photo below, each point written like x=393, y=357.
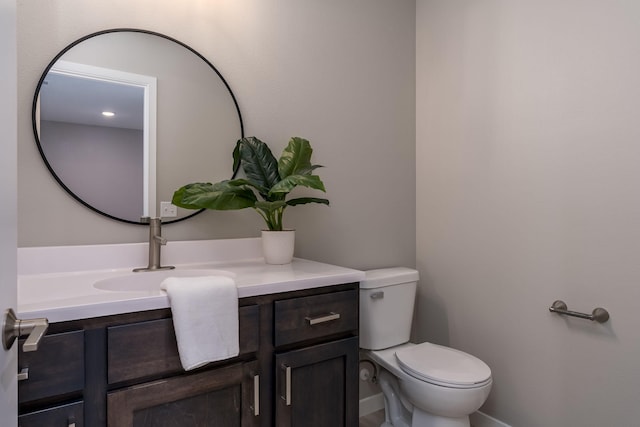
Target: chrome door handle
x=256, y=395
x=287, y=384
x=13, y=328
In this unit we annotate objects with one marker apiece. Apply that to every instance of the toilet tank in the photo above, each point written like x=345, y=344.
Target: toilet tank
x=387, y=298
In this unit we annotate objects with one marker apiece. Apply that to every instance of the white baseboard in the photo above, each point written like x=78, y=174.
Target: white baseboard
x=371, y=404
x=480, y=419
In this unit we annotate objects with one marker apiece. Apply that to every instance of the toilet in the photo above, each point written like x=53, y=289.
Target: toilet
x=424, y=385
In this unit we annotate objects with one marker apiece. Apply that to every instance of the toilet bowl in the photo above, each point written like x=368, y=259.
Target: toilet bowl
x=445, y=393
x=424, y=385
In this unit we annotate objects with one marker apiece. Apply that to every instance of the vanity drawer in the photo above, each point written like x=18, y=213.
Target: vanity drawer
x=311, y=317
x=56, y=368
x=70, y=415
x=149, y=349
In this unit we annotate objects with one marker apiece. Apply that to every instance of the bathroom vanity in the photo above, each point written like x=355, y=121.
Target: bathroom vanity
x=297, y=365
x=110, y=357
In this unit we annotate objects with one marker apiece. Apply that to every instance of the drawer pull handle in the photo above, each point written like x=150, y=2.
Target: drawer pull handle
x=322, y=319
x=287, y=384
x=256, y=395
x=23, y=374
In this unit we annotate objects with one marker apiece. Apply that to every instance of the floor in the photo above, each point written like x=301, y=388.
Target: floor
x=372, y=420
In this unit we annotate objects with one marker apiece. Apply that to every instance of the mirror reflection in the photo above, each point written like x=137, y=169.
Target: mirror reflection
x=124, y=117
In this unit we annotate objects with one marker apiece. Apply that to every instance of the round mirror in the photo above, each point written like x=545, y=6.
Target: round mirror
x=124, y=117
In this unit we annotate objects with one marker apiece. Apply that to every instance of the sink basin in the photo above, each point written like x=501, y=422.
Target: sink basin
x=150, y=281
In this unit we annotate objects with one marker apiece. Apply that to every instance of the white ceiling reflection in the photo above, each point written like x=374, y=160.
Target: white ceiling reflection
x=80, y=100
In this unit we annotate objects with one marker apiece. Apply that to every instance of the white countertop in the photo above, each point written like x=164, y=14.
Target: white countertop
x=58, y=282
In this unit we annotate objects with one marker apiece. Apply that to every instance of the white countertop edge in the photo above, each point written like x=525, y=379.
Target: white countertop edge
x=299, y=275
x=64, y=314
x=312, y=283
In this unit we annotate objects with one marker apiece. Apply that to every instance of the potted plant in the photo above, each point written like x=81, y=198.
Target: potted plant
x=264, y=187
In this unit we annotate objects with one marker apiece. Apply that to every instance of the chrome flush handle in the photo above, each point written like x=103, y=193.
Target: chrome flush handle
x=377, y=295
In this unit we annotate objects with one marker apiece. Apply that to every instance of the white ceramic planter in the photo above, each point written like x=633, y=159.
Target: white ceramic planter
x=277, y=246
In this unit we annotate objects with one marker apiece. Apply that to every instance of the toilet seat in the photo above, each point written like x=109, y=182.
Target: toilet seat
x=443, y=366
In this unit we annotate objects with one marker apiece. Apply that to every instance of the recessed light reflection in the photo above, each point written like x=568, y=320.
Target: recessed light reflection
x=108, y=113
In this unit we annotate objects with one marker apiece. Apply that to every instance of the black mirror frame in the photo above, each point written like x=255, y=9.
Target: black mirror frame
x=65, y=50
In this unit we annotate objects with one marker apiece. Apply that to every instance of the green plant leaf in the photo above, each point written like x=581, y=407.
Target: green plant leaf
x=295, y=158
x=239, y=182
x=220, y=196
x=265, y=176
x=178, y=196
x=305, y=200
x=271, y=212
x=309, y=170
x=290, y=182
x=236, y=158
x=270, y=206
x=258, y=163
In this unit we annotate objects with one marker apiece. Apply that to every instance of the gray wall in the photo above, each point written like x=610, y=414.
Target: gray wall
x=527, y=192
x=99, y=164
x=341, y=74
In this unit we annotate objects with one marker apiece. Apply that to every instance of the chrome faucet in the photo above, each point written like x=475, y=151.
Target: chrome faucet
x=155, y=242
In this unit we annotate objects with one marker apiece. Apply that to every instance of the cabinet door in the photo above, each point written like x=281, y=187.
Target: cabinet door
x=317, y=386
x=57, y=368
x=70, y=415
x=221, y=397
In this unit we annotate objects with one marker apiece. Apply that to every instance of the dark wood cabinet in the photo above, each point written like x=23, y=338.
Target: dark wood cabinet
x=218, y=397
x=305, y=318
x=57, y=370
x=316, y=375
x=69, y=415
x=317, y=385
x=124, y=370
x=149, y=349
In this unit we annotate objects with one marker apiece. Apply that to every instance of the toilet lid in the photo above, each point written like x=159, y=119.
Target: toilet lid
x=443, y=366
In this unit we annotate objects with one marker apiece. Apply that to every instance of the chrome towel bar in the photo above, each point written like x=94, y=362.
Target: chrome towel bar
x=598, y=314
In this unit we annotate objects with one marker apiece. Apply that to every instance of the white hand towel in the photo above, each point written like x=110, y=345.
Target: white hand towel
x=205, y=318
